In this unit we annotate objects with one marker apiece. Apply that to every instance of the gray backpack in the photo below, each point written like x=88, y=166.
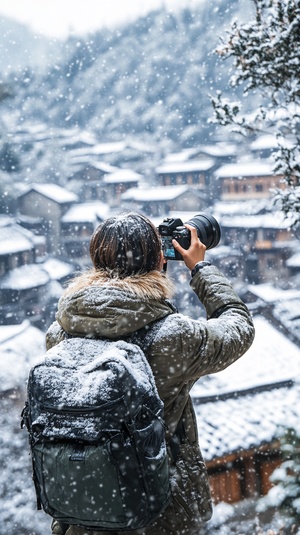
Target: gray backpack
x=97, y=435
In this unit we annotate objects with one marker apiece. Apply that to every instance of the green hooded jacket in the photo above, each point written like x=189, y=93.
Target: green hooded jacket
x=182, y=350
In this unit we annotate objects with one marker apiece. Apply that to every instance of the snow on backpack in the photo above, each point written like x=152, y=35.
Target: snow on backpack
x=97, y=435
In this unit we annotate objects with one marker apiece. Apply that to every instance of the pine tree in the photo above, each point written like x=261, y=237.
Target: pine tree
x=266, y=59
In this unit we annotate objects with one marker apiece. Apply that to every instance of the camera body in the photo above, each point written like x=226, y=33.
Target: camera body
x=208, y=231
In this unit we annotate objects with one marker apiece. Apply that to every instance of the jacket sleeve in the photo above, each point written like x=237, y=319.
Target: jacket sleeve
x=54, y=335
x=211, y=345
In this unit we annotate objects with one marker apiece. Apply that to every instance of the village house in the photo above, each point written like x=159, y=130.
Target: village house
x=48, y=202
x=25, y=287
x=266, y=242
x=117, y=183
x=77, y=226
x=247, y=180
x=118, y=153
x=242, y=412
x=195, y=173
x=159, y=201
x=86, y=179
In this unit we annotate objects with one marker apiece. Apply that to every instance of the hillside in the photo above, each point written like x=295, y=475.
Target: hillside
x=147, y=79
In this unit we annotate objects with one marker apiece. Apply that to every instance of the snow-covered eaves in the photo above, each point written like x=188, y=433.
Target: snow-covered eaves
x=269, y=294
x=269, y=141
x=88, y=212
x=53, y=192
x=245, y=405
x=185, y=167
x=272, y=358
x=294, y=261
x=14, y=238
x=249, y=207
x=165, y=193
x=82, y=163
x=274, y=220
x=57, y=269
x=246, y=422
x=24, y=278
x=245, y=169
x=122, y=176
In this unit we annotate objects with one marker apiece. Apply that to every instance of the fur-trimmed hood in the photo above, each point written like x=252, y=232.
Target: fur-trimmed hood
x=96, y=304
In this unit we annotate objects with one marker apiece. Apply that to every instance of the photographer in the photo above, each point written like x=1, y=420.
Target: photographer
x=127, y=291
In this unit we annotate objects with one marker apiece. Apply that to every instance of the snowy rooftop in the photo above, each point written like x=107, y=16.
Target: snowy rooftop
x=122, y=175
x=86, y=212
x=57, y=269
x=25, y=278
x=20, y=347
x=14, y=240
x=274, y=220
x=154, y=194
x=185, y=167
x=244, y=405
x=271, y=358
x=294, y=261
x=268, y=293
x=245, y=169
x=249, y=207
x=84, y=163
x=54, y=192
x=268, y=141
x=246, y=422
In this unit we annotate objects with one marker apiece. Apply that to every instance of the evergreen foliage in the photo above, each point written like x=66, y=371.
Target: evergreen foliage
x=266, y=55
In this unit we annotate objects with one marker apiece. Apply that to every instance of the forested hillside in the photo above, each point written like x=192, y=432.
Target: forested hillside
x=148, y=79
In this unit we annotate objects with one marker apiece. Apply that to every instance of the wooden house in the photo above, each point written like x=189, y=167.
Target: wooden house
x=266, y=241
x=24, y=285
x=119, y=182
x=77, y=227
x=86, y=179
x=48, y=202
x=159, y=201
x=195, y=173
x=246, y=180
x=242, y=411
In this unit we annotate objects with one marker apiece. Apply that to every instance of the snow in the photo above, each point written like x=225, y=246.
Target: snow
x=54, y=192
x=275, y=220
x=57, y=269
x=245, y=169
x=20, y=347
x=86, y=212
x=268, y=293
x=122, y=175
x=266, y=362
x=14, y=239
x=294, y=261
x=185, y=167
x=25, y=277
x=154, y=194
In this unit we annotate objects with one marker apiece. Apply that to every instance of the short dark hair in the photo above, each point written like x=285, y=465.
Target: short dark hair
x=125, y=245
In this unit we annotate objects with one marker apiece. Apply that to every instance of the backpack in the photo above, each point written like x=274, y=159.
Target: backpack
x=97, y=435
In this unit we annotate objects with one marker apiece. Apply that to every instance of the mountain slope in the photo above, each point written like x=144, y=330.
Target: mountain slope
x=150, y=78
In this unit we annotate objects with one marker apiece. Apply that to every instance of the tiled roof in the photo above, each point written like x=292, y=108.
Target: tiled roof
x=247, y=404
x=245, y=422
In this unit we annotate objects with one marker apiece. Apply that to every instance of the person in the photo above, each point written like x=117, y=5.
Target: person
x=127, y=290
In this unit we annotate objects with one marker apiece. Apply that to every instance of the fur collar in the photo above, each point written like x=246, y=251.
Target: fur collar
x=153, y=285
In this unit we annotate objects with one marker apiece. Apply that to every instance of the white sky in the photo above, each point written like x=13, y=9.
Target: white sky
x=58, y=18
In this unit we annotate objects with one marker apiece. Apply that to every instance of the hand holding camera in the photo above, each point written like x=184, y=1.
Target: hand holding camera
x=189, y=242
x=196, y=251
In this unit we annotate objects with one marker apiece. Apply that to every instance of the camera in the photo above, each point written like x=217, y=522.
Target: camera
x=208, y=231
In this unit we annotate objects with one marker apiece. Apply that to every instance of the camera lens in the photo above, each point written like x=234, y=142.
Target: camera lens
x=208, y=229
